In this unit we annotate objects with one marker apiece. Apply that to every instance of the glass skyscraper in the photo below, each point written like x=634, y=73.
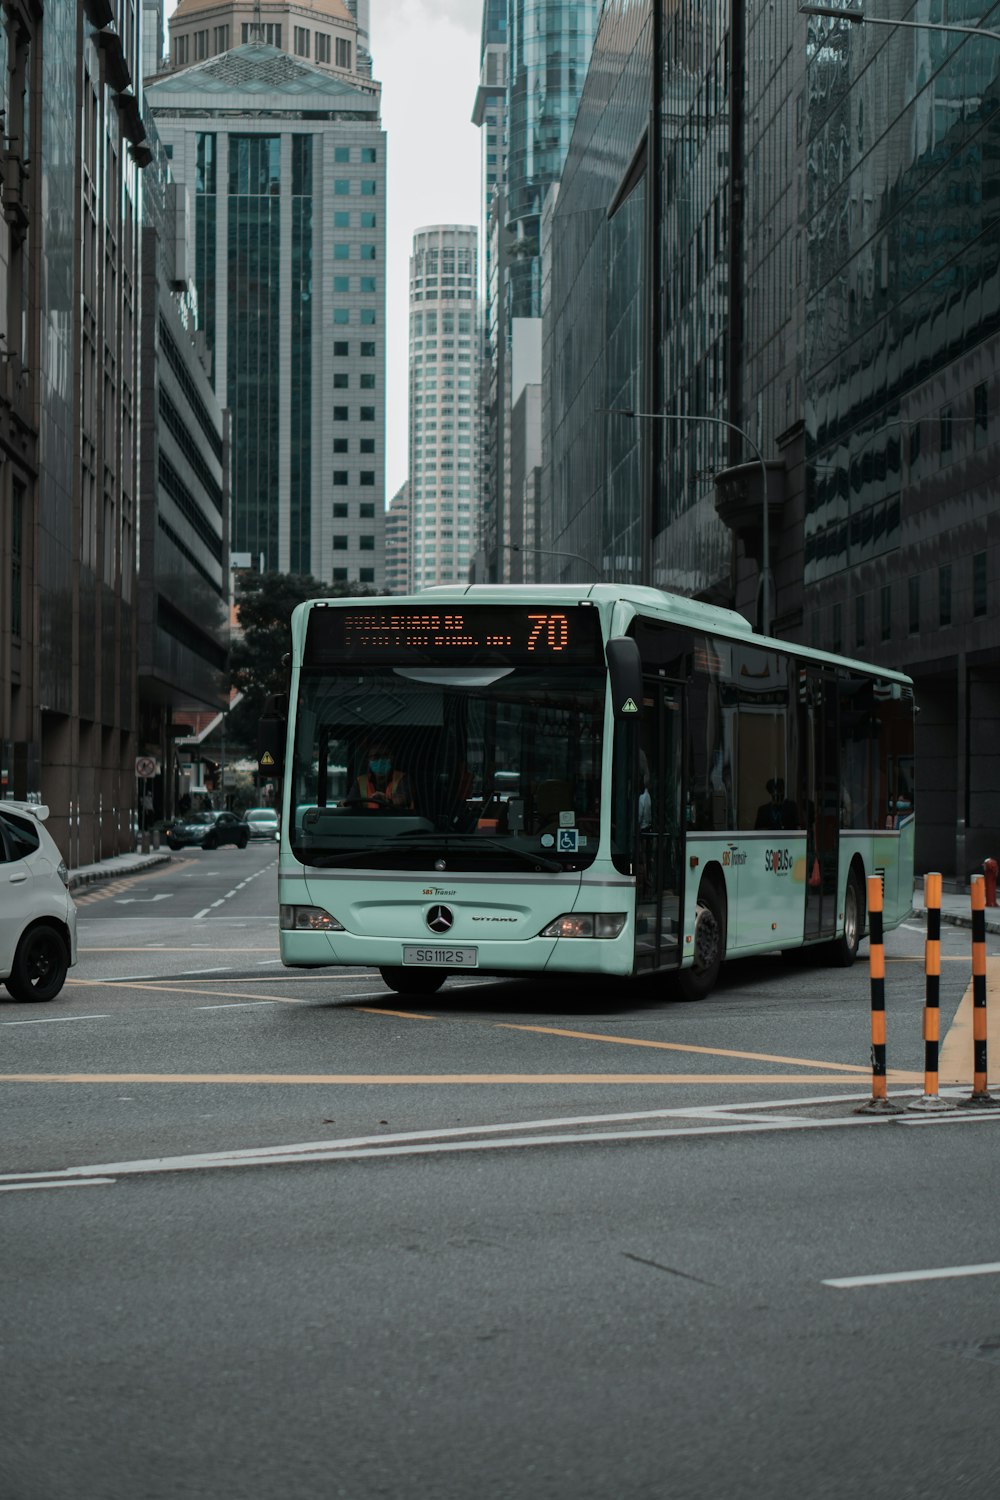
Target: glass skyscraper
x=285, y=165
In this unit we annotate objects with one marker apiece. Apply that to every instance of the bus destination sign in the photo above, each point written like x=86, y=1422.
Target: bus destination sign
x=516, y=635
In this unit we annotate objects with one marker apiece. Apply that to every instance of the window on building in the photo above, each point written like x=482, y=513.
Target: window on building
x=369, y=154
x=322, y=47
x=366, y=510
x=366, y=575
x=180, y=51
x=341, y=153
x=340, y=542
x=979, y=585
x=886, y=610
x=341, y=445
x=367, y=414
x=366, y=445
x=366, y=284
x=342, y=187
x=342, y=220
x=341, y=380
x=301, y=41
x=340, y=413
x=341, y=315
x=342, y=284
x=340, y=575
x=366, y=252
x=367, y=380
x=343, y=52
x=945, y=430
x=944, y=594
x=367, y=316
x=859, y=620
x=341, y=251
x=341, y=349
x=913, y=596
x=366, y=543
x=200, y=45
x=367, y=221
x=367, y=478
x=981, y=398
x=837, y=627
x=367, y=349
x=368, y=186
x=221, y=39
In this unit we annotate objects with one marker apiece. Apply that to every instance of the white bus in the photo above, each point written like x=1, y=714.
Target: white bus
x=578, y=780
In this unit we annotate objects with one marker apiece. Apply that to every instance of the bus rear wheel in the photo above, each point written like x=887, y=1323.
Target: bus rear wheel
x=709, y=944
x=413, y=981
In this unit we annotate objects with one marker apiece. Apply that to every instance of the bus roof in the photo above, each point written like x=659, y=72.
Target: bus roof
x=653, y=603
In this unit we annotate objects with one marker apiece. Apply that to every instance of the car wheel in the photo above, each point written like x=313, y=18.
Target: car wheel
x=241, y=842
x=709, y=944
x=40, y=964
x=413, y=981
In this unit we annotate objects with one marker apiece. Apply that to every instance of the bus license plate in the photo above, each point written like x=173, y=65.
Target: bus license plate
x=442, y=958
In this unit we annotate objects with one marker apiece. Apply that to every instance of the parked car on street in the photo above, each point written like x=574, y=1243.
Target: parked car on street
x=206, y=830
x=262, y=822
x=37, y=914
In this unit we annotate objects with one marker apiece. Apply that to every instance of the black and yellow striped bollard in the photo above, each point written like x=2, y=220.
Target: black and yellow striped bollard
x=980, y=1087
x=879, y=1103
x=931, y=1101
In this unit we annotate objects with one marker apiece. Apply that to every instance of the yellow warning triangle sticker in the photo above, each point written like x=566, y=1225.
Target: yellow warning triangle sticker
x=267, y=759
x=628, y=707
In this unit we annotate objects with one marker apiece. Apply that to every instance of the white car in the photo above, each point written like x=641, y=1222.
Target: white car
x=37, y=914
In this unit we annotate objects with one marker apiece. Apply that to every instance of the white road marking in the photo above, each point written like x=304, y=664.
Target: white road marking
x=203, y=913
x=237, y=1005
x=28, y=1187
x=430, y=1143
x=52, y=1020
x=960, y=1117
x=890, y=1278
x=192, y=973
x=131, y=900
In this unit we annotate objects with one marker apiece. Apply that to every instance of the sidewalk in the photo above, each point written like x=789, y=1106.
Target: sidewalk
x=116, y=868
x=956, y=908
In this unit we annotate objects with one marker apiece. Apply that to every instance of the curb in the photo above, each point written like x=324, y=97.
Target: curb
x=94, y=875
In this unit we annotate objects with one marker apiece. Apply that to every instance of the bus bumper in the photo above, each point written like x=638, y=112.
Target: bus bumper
x=509, y=957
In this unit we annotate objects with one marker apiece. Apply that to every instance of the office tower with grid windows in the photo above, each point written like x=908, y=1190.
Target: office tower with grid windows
x=442, y=374
x=284, y=166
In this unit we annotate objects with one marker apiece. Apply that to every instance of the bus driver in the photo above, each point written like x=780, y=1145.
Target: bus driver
x=383, y=784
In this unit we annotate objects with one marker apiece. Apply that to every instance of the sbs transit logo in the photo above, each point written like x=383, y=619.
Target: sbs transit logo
x=777, y=861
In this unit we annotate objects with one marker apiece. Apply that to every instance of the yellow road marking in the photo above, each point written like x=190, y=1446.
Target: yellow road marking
x=438, y=1079
x=955, y=1061
x=407, y=1015
x=627, y=1041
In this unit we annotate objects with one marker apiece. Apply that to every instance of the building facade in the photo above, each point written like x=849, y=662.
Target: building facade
x=443, y=364
x=285, y=166
x=69, y=419
x=545, y=50
x=397, y=542
x=183, y=597
x=325, y=33
x=798, y=261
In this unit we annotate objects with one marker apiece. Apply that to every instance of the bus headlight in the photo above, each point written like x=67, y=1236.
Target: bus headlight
x=586, y=924
x=307, y=919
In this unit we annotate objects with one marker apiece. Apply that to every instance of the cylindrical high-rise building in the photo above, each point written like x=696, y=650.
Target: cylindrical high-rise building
x=442, y=373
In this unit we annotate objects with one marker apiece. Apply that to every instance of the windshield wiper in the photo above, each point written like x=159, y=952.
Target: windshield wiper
x=469, y=841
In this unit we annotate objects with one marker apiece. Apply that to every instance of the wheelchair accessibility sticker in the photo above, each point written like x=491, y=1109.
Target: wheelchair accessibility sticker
x=568, y=841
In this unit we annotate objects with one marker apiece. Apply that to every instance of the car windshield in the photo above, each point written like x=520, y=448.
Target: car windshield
x=200, y=817
x=461, y=768
x=262, y=815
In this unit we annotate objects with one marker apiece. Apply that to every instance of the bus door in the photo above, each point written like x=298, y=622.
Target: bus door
x=660, y=868
x=821, y=799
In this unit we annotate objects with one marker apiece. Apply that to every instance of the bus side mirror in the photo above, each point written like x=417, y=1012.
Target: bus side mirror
x=271, y=731
x=625, y=668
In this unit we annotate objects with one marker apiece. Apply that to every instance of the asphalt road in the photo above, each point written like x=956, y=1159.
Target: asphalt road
x=275, y=1234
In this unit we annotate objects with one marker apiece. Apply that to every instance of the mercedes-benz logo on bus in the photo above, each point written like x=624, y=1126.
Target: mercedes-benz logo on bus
x=440, y=919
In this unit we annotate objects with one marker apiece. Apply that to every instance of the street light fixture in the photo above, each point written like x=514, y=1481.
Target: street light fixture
x=858, y=17
x=765, y=566
x=548, y=552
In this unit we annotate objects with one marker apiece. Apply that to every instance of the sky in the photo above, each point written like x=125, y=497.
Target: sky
x=426, y=57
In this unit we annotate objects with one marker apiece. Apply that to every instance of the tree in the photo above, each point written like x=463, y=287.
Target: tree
x=264, y=604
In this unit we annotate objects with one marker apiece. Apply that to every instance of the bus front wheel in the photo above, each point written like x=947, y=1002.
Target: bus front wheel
x=842, y=952
x=709, y=944
x=413, y=981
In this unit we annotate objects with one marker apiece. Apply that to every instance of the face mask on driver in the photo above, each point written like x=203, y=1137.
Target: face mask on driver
x=381, y=765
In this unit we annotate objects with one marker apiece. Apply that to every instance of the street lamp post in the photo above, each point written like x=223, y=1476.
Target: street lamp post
x=765, y=519
x=859, y=17
x=548, y=552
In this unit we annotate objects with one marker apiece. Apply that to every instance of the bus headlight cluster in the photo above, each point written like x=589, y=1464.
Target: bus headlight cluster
x=586, y=924
x=307, y=919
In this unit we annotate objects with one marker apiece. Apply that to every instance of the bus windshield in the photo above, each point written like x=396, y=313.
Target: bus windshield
x=487, y=768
